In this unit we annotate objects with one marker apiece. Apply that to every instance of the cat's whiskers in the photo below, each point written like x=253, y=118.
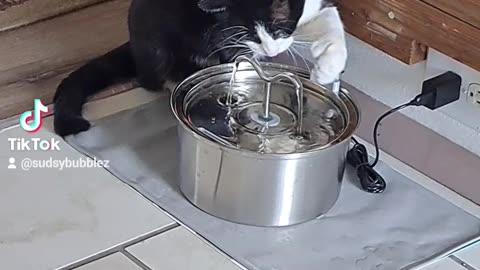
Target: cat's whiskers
x=241, y=53
x=282, y=21
x=302, y=41
x=242, y=41
x=234, y=35
x=308, y=35
x=301, y=57
x=284, y=28
x=289, y=51
x=303, y=44
x=227, y=47
x=234, y=27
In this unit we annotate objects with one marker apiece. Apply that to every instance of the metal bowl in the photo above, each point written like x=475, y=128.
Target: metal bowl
x=267, y=148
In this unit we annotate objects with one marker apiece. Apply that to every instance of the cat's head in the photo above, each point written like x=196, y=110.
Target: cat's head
x=265, y=26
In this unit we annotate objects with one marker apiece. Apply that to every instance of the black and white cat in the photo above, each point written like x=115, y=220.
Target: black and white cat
x=169, y=40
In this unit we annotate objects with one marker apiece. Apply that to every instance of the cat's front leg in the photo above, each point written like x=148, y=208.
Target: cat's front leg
x=328, y=50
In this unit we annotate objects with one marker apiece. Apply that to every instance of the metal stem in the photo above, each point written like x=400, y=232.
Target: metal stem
x=299, y=91
x=284, y=75
x=266, y=101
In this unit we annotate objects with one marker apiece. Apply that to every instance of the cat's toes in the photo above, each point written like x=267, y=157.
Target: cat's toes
x=66, y=125
x=330, y=60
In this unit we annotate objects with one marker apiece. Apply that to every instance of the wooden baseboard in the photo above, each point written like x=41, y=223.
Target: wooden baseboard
x=405, y=28
x=367, y=22
x=464, y=10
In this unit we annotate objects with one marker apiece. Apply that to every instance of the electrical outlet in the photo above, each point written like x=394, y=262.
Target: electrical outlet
x=473, y=94
x=465, y=111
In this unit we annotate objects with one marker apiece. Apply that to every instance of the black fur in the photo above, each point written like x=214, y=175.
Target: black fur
x=169, y=40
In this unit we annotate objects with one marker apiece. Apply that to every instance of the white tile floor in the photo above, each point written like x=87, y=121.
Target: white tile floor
x=54, y=217
x=116, y=261
x=62, y=219
x=471, y=256
x=178, y=244
x=447, y=264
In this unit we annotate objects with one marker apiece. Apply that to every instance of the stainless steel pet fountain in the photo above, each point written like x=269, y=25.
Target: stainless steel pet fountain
x=260, y=144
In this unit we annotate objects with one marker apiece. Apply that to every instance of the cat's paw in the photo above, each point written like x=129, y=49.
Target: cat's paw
x=66, y=124
x=330, y=54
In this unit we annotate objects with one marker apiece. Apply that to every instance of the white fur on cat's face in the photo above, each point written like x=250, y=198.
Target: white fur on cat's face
x=323, y=28
x=269, y=46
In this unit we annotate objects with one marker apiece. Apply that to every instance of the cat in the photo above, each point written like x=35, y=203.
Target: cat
x=169, y=40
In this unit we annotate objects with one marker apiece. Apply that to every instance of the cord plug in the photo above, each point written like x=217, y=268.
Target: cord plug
x=439, y=91
x=436, y=92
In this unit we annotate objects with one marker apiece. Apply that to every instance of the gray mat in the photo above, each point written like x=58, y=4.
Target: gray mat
x=396, y=230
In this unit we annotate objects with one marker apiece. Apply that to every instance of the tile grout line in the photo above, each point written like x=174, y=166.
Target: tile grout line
x=135, y=260
x=119, y=247
x=183, y=225
x=462, y=263
x=175, y=219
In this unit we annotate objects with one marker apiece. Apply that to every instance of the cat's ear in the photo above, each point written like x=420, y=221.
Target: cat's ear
x=213, y=6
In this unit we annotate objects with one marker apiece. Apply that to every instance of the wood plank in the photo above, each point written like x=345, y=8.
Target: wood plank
x=418, y=21
x=35, y=58
x=63, y=41
x=17, y=97
x=367, y=22
x=467, y=11
x=435, y=29
x=4, y=4
x=32, y=11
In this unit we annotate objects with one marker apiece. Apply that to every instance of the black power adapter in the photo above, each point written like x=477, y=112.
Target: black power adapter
x=436, y=92
x=440, y=91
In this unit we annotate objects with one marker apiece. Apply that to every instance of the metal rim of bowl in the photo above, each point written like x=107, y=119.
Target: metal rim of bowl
x=344, y=97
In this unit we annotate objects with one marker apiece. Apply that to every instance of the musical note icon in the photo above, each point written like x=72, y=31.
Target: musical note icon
x=35, y=117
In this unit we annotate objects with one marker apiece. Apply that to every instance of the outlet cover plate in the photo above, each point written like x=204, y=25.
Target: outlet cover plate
x=465, y=110
x=473, y=94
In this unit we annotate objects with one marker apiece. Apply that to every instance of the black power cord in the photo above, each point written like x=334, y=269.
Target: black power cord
x=370, y=180
x=436, y=92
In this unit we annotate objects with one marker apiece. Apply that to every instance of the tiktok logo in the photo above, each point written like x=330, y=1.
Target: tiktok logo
x=35, y=115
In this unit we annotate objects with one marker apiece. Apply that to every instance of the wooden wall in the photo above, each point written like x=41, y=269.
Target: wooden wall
x=41, y=41
x=24, y=12
x=405, y=28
